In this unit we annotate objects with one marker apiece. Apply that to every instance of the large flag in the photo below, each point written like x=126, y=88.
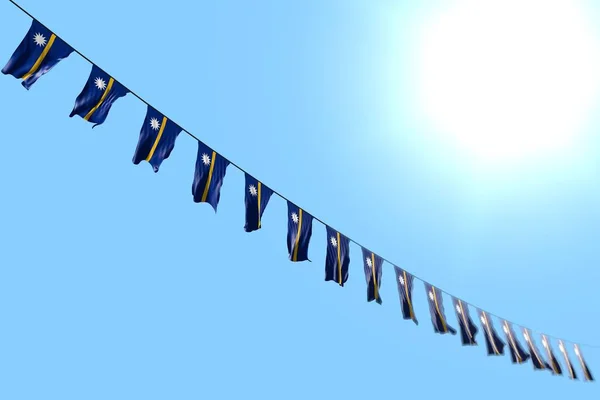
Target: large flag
x=436, y=309
x=299, y=232
x=468, y=330
x=536, y=359
x=405, y=286
x=517, y=354
x=338, y=257
x=587, y=374
x=372, y=263
x=495, y=345
x=98, y=95
x=39, y=51
x=554, y=365
x=563, y=350
x=208, y=176
x=157, y=139
x=256, y=200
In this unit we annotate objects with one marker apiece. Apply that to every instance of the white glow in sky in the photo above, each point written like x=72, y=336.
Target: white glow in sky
x=507, y=80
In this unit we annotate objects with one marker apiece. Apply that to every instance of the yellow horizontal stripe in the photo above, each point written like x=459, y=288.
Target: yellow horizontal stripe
x=160, y=132
x=38, y=62
x=93, y=110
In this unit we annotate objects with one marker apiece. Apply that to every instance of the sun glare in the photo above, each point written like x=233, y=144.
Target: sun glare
x=508, y=80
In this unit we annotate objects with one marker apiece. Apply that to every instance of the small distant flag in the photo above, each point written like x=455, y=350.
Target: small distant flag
x=587, y=374
x=372, y=264
x=554, y=365
x=517, y=354
x=495, y=345
x=256, y=199
x=157, y=139
x=338, y=257
x=436, y=309
x=208, y=176
x=39, y=51
x=536, y=359
x=563, y=350
x=97, y=97
x=468, y=329
x=299, y=233
x=405, y=286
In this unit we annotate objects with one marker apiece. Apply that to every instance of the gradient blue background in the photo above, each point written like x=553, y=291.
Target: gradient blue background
x=115, y=285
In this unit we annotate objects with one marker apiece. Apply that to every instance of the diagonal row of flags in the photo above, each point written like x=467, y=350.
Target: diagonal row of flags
x=40, y=50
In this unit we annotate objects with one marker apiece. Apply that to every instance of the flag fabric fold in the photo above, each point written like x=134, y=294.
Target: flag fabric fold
x=553, y=362
x=97, y=96
x=563, y=350
x=436, y=309
x=372, y=265
x=208, y=176
x=517, y=354
x=468, y=329
x=405, y=286
x=495, y=345
x=39, y=51
x=157, y=139
x=338, y=257
x=299, y=233
x=536, y=359
x=587, y=374
x=256, y=199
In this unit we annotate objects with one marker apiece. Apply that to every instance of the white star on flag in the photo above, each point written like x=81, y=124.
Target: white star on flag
x=253, y=191
x=295, y=217
x=154, y=124
x=333, y=241
x=369, y=262
x=458, y=310
x=431, y=295
x=100, y=84
x=205, y=159
x=39, y=39
x=483, y=319
x=401, y=280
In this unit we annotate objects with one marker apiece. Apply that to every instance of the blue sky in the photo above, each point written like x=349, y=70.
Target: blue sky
x=114, y=284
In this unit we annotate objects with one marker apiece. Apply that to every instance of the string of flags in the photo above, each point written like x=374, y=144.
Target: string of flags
x=41, y=50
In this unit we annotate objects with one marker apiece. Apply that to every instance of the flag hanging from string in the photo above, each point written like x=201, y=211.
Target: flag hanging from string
x=494, y=345
x=372, y=265
x=338, y=257
x=256, y=199
x=405, y=286
x=468, y=329
x=208, y=176
x=436, y=309
x=299, y=232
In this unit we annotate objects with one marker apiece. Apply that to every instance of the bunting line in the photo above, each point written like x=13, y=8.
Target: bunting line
x=285, y=198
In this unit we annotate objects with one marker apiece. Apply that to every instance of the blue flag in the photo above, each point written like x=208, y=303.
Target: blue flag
x=98, y=95
x=39, y=51
x=468, y=329
x=563, y=350
x=536, y=358
x=208, y=177
x=157, y=139
x=299, y=233
x=554, y=364
x=495, y=345
x=372, y=265
x=405, y=286
x=517, y=354
x=338, y=257
x=436, y=309
x=256, y=200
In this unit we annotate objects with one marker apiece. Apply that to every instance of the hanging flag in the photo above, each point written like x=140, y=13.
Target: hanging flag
x=468, y=330
x=517, y=354
x=208, y=176
x=587, y=374
x=554, y=365
x=563, y=350
x=299, y=233
x=39, y=51
x=436, y=309
x=338, y=257
x=157, y=139
x=372, y=264
x=405, y=286
x=256, y=200
x=98, y=95
x=536, y=359
x=495, y=345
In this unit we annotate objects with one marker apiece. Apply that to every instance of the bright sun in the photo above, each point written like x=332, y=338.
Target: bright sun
x=508, y=80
